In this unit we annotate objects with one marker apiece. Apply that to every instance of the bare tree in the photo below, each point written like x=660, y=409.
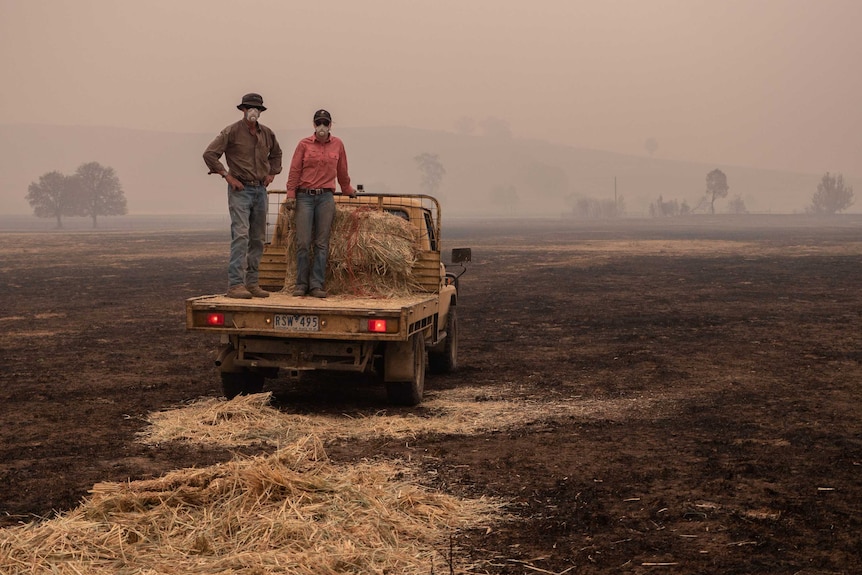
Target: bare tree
x=832, y=196
x=98, y=192
x=431, y=170
x=51, y=197
x=716, y=187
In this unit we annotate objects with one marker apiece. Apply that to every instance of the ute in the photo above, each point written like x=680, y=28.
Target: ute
x=393, y=339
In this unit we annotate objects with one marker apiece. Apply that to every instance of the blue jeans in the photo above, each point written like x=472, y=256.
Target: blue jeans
x=314, y=215
x=247, y=209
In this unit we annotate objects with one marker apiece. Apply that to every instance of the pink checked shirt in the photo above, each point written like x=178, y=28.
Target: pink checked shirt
x=317, y=165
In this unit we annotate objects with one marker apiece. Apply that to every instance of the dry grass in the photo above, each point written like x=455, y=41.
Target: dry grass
x=371, y=253
x=292, y=512
x=248, y=420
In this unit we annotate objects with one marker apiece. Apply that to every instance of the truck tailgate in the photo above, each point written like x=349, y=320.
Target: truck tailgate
x=335, y=317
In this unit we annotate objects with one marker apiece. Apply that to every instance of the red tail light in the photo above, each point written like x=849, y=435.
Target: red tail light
x=377, y=325
x=215, y=319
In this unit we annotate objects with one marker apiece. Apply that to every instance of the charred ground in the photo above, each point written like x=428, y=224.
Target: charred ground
x=721, y=360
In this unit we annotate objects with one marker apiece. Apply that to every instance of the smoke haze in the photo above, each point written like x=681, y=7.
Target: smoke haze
x=770, y=85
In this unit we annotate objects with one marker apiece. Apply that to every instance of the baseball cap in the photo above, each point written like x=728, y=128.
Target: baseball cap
x=322, y=115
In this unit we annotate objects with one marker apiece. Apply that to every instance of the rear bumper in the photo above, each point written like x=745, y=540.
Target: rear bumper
x=303, y=354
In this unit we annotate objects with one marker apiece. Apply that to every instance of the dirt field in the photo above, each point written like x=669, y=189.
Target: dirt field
x=697, y=384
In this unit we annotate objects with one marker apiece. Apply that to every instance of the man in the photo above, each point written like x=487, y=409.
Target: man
x=254, y=158
x=317, y=162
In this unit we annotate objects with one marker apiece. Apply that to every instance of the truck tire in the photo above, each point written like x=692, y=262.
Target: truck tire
x=445, y=359
x=410, y=392
x=244, y=382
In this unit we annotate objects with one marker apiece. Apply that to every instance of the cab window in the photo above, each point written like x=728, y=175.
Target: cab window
x=400, y=213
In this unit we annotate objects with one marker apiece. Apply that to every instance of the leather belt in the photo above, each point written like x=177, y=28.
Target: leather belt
x=251, y=182
x=315, y=191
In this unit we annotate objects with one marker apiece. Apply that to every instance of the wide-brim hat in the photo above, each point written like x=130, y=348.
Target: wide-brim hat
x=252, y=101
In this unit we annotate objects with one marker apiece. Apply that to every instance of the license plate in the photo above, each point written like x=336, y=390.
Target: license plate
x=296, y=322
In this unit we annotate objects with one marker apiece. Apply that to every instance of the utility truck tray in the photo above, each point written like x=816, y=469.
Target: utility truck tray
x=334, y=317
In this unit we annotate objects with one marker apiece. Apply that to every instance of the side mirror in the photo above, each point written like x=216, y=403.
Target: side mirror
x=461, y=255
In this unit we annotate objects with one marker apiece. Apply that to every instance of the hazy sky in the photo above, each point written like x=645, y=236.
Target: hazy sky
x=767, y=83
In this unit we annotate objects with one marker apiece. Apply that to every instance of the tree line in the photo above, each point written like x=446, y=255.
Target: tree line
x=92, y=191
x=832, y=196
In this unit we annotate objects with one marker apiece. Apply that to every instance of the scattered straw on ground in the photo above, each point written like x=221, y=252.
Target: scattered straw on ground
x=371, y=252
x=248, y=420
x=292, y=512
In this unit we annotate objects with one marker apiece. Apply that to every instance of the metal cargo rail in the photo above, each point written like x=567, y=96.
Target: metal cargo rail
x=426, y=271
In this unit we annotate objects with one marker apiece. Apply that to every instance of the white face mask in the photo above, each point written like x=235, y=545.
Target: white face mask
x=252, y=114
x=321, y=131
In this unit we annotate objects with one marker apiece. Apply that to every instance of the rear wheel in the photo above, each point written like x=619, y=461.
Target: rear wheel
x=445, y=359
x=410, y=392
x=241, y=383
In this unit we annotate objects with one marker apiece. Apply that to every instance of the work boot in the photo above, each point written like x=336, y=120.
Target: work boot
x=257, y=291
x=299, y=291
x=239, y=292
x=317, y=292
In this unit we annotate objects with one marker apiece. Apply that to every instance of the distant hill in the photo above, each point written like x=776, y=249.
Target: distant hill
x=163, y=173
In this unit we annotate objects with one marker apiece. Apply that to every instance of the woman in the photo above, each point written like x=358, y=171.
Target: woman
x=318, y=161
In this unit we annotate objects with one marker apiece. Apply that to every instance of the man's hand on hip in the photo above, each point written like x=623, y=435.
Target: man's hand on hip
x=234, y=184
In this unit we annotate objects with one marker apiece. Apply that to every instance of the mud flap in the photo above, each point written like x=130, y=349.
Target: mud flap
x=398, y=361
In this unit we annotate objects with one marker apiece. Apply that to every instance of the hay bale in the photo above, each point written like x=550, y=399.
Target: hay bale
x=371, y=252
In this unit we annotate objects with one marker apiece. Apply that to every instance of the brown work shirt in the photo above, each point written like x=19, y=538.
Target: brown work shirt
x=250, y=157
